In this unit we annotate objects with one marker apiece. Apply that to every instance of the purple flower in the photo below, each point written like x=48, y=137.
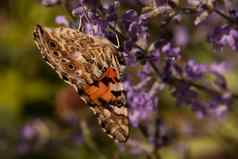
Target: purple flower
x=77, y=137
x=224, y=36
x=91, y=22
x=162, y=135
x=110, y=10
x=217, y=107
x=155, y=55
x=219, y=68
x=128, y=17
x=234, y=14
x=145, y=72
x=79, y=11
x=32, y=129
x=161, y=2
x=184, y=94
x=171, y=51
x=135, y=25
x=141, y=103
x=34, y=134
x=164, y=46
x=61, y=20
x=50, y=2
x=194, y=70
x=130, y=53
x=28, y=132
x=181, y=36
x=94, y=29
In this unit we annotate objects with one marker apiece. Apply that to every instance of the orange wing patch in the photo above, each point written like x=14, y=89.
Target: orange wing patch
x=112, y=117
x=102, y=91
x=111, y=73
x=101, y=88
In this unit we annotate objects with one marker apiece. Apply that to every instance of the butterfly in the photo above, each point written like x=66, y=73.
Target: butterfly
x=91, y=65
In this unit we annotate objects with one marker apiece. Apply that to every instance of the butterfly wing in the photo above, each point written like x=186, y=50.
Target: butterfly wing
x=108, y=104
x=91, y=66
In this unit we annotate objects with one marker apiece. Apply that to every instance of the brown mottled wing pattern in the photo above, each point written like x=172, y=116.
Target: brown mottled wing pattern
x=91, y=66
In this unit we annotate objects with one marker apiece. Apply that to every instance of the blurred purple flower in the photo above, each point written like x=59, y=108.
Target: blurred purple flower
x=234, y=14
x=220, y=68
x=90, y=20
x=217, y=108
x=128, y=17
x=94, y=29
x=61, y=20
x=145, y=72
x=28, y=132
x=162, y=135
x=184, y=94
x=110, y=10
x=155, y=55
x=50, y=2
x=77, y=137
x=34, y=134
x=181, y=36
x=141, y=103
x=224, y=36
x=33, y=129
x=194, y=70
x=164, y=46
x=79, y=12
x=135, y=25
x=171, y=51
x=162, y=2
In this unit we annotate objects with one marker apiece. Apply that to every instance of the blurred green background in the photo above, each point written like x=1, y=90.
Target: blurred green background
x=29, y=89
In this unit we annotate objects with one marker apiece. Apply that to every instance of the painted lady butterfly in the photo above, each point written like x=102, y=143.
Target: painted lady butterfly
x=91, y=65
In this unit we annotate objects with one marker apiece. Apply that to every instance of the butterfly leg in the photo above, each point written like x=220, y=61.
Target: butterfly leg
x=80, y=24
x=118, y=42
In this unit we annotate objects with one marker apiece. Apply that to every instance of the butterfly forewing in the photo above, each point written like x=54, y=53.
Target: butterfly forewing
x=90, y=64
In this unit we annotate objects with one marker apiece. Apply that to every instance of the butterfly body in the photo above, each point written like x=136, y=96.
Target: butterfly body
x=90, y=64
